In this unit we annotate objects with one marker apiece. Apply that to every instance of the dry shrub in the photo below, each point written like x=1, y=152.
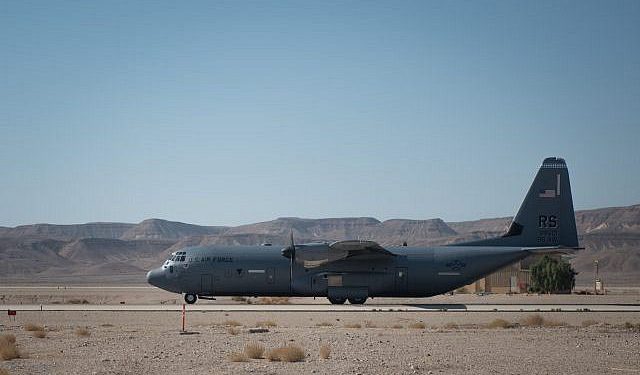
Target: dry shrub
x=273, y=300
x=106, y=325
x=535, y=320
x=324, y=324
x=78, y=301
x=39, y=334
x=397, y=326
x=82, y=332
x=451, y=325
x=233, y=331
x=33, y=327
x=254, y=350
x=289, y=353
x=266, y=323
x=352, y=325
x=369, y=324
x=325, y=351
x=631, y=326
x=4, y=371
x=418, y=325
x=589, y=323
x=239, y=299
x=553, y=323
x=238, y=357
x=8, y=337
x=500, y=323
x=232, y=323
x=8, y=349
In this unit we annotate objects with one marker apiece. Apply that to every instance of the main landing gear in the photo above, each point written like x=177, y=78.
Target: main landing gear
x=357, y=300
x=352, y=300
x=190, y=298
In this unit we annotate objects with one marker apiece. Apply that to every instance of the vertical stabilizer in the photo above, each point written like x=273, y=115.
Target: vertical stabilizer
x=546, y=216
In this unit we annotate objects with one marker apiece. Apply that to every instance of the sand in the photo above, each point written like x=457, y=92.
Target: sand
x=130, y=342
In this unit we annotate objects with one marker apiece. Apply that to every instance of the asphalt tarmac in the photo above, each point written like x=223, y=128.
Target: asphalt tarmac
x=338, y=308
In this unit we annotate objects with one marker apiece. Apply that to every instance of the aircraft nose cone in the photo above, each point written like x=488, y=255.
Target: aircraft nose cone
x=155, y=277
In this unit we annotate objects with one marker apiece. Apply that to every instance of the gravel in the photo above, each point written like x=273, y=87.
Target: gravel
x=151, y=343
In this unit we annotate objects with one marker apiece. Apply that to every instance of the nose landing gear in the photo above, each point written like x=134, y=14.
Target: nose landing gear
x=190, y=298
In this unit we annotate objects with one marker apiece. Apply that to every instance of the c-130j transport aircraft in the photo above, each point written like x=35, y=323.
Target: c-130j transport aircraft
x=355, y=270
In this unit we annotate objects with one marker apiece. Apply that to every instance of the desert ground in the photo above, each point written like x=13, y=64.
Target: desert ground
x=381, y=342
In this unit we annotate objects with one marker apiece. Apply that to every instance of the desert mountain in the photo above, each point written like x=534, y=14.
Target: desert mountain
x=157, y=229
x=122, y=251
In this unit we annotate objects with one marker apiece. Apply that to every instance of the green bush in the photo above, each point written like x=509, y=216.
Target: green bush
x=550, y=275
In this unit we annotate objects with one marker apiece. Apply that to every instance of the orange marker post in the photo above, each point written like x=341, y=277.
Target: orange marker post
x=184, y=313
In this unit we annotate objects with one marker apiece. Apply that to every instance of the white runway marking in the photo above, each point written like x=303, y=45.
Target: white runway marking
x=341, y=308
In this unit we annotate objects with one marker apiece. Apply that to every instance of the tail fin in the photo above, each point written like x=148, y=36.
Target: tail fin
x=546, y=216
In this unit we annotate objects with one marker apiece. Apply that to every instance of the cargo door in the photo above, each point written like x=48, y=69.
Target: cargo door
x=206, y=286
x=401, y=280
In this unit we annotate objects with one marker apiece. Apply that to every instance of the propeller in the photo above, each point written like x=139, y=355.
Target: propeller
x=290, y=252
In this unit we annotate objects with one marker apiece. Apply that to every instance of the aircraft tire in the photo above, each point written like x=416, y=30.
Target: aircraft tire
x=337, y=300
x=190, y=298
x=357, y=300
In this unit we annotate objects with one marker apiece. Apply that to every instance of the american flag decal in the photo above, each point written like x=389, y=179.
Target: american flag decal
x=550, y=193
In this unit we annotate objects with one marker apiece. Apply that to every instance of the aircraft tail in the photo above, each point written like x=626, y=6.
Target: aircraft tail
x=545, y=218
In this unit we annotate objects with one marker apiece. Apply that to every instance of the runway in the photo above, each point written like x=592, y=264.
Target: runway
x=339, y=308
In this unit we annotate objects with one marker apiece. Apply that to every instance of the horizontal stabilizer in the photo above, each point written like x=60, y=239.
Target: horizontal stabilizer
x=552, y=250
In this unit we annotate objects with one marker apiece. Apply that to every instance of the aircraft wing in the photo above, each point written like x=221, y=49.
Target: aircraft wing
x=341, y=250
x=357, y=248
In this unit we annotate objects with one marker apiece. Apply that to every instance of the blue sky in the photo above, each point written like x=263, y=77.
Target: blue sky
x=226, y=113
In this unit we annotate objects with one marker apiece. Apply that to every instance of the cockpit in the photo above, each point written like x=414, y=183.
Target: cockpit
x=178, y=256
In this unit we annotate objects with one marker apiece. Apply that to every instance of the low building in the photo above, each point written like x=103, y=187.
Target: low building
x=515, y=278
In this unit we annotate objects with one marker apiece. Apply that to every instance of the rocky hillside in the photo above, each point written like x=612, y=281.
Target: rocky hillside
x=67, y=232
x=157, y=229
x=80, y=253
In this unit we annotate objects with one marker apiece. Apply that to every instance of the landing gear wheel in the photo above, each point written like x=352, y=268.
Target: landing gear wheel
x=357, y=300
x=337, y=300
x=190, y=298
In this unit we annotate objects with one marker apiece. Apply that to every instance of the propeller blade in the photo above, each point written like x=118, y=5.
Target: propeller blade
x=291, y=243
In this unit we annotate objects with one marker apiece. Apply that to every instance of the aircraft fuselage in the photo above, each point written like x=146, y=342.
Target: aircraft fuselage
x=264, y=271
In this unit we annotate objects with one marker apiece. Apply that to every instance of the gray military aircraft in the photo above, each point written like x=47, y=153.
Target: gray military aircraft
x=355, y=270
